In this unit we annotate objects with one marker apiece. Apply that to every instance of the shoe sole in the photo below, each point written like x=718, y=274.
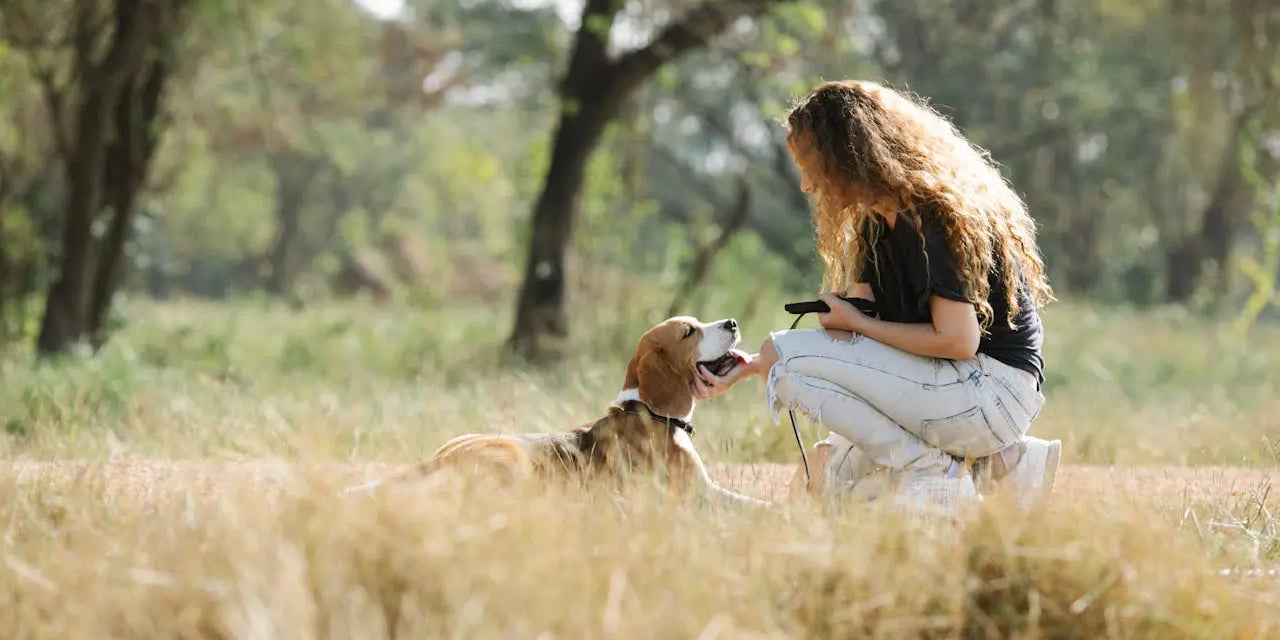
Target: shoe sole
x=1052, y=457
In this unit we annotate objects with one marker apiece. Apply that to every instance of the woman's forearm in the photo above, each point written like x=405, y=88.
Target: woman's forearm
x=921, y=338
x=952, y=333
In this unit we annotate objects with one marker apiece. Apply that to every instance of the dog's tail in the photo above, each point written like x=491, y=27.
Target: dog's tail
x=422, y=471
x=467, y=453
x=368, y=488
x=417, y=472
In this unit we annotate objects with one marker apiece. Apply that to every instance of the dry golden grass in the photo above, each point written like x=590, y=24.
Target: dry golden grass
x=183, y=484
x=265, y=550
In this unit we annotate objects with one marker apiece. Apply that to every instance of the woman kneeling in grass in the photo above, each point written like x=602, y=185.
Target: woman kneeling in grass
x=911, y=215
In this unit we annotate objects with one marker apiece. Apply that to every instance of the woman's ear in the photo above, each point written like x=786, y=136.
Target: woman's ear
x=661, y=384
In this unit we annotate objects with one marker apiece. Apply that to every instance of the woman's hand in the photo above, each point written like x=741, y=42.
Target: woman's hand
x=707, y=385
x=842, y=317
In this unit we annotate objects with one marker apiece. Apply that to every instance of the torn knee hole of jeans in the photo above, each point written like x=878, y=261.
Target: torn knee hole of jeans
x=771, y=396
x=776, y=406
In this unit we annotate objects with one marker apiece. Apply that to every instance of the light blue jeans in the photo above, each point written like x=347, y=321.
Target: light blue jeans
x=903, y=411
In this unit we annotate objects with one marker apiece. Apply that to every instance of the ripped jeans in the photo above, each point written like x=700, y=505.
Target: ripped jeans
x=903, y=411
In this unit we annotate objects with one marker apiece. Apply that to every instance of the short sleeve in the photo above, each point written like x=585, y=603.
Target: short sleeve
x=868, y=266
x=941, y=276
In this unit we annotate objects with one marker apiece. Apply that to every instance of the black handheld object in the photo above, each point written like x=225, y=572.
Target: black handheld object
x=817, y=306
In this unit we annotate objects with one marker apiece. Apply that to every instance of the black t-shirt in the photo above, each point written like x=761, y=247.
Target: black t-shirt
x=904, y=270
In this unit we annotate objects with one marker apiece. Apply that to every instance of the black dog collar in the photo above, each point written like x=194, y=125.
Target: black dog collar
x=634, y=406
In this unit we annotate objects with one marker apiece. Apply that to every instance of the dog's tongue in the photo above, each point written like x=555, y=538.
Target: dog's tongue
x=740, y=356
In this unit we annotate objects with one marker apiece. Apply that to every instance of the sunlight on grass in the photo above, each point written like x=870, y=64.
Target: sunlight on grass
x=237, y=552
x=189, y=470
x=352, y=382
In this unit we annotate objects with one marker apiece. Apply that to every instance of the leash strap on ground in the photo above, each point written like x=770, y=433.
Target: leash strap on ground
x=808, y=479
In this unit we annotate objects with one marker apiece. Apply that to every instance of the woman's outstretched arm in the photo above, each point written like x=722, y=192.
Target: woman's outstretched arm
x=954, y=333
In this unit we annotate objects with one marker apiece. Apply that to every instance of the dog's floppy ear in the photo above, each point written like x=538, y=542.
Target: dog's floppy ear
x=660, y=384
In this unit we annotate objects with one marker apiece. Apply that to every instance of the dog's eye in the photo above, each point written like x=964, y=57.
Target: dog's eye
x=692, y=330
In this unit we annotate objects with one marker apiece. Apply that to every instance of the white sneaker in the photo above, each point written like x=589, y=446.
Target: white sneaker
x=930, y=492
x=845, y=463
x=850, y=475
x=1037, y=469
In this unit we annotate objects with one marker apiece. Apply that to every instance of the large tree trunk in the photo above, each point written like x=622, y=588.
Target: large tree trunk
x=594, y=88
x=1220, y=222
x=128, y=161
x=1227, y=211
x=138, y=29
x=65, y=316
x=540, y=313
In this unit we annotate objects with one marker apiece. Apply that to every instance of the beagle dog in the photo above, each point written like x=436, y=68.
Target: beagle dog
x=647, y=429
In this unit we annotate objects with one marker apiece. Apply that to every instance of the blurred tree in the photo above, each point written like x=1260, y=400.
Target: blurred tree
x=27, y=207
x=1262, y=273
x=329, y=102
x=593, y=89
x=311, y=69
x=1103, y=119
x=316, y=147
x=1233, y=85
x=102, y=68
x=717, y=123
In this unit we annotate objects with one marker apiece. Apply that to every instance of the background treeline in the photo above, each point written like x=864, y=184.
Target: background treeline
x=531, y=155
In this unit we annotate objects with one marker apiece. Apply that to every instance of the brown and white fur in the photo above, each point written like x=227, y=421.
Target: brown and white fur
x=630, y=438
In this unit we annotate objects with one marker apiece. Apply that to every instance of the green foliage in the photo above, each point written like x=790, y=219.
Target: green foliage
x=1264, y=271
x=1114, y=129
x=1101, y=119
x=188, y=378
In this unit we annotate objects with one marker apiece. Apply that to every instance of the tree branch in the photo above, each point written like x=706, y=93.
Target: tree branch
x=706, y=253
x=772, y=240
x=28, y=33
x=591, y=46
x=57, y=113
x=781, y=159
x=130, y=40
x=83, y=34
x=692, y=30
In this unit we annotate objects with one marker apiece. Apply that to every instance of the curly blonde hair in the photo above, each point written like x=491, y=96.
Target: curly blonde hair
x=861, y=142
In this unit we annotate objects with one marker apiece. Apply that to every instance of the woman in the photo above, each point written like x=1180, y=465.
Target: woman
x=911, y=215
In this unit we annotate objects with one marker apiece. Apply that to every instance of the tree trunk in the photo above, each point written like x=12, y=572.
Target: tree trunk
x=294, y=173
x=1182, y=269
x=593, y=89
x=99, y=83
x=540, y=313
x=1220, y=222
x=65, y=315
x=129, y=158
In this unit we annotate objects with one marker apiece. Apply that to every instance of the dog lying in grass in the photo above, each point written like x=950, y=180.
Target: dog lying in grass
x=647, y=430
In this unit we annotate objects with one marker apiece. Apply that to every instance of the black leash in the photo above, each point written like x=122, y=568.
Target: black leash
x=801, y=309
x=808, y=480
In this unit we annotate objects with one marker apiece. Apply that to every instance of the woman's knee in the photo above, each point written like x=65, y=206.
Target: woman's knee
x=768, y=355
x=784, y=345
x=788, y=389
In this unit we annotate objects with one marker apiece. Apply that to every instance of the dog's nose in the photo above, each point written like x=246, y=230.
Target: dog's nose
x=730, y=324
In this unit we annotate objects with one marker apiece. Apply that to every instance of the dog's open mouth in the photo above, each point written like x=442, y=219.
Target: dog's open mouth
x=725, y=363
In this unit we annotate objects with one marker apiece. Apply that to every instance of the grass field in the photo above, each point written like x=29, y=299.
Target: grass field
x=181, y=484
